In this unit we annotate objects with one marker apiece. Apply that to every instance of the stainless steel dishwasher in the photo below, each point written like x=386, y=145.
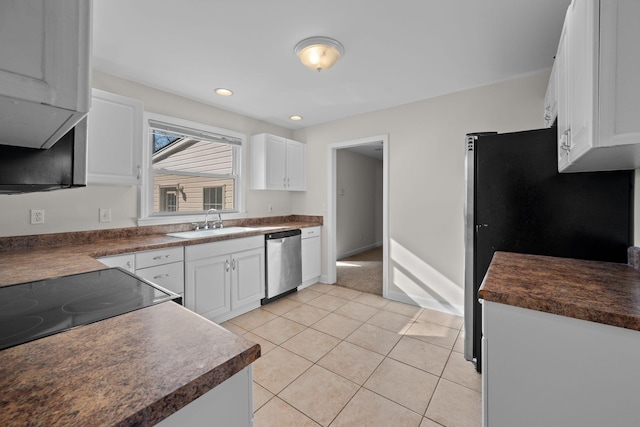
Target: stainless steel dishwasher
x=284, y=263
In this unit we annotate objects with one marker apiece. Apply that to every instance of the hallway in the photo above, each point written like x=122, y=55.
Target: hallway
x=361, y=272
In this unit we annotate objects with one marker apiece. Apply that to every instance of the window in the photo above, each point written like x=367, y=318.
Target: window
x=190, y=167
x=213, y=197
x=168, y=199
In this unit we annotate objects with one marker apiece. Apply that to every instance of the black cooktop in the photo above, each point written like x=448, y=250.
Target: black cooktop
x=33, y=310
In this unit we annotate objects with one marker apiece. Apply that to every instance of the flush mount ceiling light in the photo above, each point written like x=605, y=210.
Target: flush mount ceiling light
x=223, y=92
x=295, y=118
x=319, y=53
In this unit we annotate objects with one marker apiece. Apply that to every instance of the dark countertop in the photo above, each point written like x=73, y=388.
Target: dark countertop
x=602, y=292
x=29, y=258
x=133, y=369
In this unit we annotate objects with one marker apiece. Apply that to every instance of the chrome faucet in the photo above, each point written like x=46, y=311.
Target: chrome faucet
x=215, y=221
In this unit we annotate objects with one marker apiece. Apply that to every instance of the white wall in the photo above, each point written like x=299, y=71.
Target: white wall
x=77, y=209
x=359, y=202
x=426, y=185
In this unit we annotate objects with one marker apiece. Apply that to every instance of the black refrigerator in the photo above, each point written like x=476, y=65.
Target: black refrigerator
x=516, y=201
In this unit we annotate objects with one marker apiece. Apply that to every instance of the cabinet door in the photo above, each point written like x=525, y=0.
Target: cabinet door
x=114, y=147
x=44, y=69
x=619, y=90
x=582, y=45
x=207, y=287
x=551, y=97
x=311, y=258
x=562, y=64
x=296, y=166
x=247, y=277
x=275, y=158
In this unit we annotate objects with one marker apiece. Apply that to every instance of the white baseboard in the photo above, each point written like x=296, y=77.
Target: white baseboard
x=455, y=309
x=309, y=282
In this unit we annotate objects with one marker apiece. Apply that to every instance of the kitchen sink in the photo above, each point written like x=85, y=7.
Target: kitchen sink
x=195, y=234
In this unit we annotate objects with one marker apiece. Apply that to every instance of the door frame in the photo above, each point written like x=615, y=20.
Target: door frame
x=330, y=225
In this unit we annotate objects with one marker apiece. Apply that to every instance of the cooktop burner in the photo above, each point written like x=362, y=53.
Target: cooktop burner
x=33, y=310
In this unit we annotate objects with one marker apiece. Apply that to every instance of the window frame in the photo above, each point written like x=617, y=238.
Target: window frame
x=145, y=190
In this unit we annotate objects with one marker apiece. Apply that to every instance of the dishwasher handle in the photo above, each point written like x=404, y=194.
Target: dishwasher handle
x=283, y=234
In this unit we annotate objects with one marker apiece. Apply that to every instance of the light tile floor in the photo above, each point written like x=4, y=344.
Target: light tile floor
x=333, y=356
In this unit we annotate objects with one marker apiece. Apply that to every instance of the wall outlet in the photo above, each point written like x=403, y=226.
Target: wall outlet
x=105, y=214
x=37, y=216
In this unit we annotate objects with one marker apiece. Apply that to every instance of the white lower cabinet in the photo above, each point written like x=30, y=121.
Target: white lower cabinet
x=225, y=279
x=230, y=404
x=208, y=285
x=247, y=277
x=542, y=369
x=311, y=246
x=164, y=267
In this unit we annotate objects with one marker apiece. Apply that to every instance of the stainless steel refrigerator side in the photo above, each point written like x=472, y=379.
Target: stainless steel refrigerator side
x=469, y=231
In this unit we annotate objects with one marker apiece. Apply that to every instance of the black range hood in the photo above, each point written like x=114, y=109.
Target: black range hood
x=28, y=170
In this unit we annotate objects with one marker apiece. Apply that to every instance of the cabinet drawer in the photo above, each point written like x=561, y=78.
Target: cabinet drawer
x=169, y=276
x=158, y=257
x=125, y=261
x=311, y=232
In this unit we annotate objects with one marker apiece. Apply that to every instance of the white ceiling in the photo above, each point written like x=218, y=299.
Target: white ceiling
x=396, y=51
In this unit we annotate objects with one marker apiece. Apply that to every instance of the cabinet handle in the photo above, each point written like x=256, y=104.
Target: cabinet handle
x=233, y=264
x=284, y=182
x=161, y=257
x=161, y=276
x=139, y=172
x=226, y=265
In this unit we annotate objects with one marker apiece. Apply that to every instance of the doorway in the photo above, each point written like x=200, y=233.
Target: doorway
x=368, y=143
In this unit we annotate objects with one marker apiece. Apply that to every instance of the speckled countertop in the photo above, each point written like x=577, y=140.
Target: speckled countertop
x=133, y=369
x=29, y=258
x=601, y=292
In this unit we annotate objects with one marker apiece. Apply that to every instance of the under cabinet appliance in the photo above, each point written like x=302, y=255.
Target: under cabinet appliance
x=33, y=310
x=516, y=201
x=27, y=170
x=283, y=251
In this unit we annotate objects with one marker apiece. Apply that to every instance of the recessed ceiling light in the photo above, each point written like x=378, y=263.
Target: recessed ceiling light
x=295, y=118
x=223, y=92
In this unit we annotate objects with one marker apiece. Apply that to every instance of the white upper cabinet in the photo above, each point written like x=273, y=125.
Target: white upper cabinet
x=45, y=53
x=551, y=96
x=278, y=163
x=115, y=135
x=562, y=91
x=599, y=95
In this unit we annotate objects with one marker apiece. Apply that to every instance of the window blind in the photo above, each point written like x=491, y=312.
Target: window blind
x=195, y=133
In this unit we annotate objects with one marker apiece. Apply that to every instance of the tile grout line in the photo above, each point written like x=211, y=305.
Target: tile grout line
x=414, y=319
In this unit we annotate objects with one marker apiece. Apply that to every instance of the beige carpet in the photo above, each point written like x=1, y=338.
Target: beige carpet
x=361, y=272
